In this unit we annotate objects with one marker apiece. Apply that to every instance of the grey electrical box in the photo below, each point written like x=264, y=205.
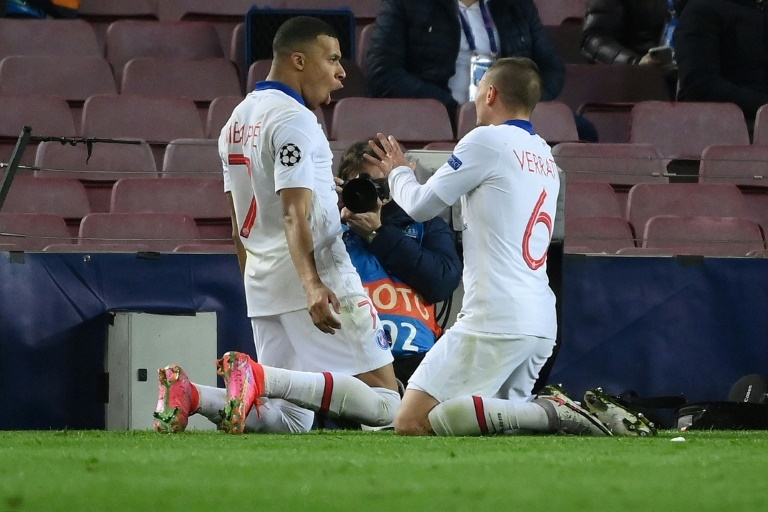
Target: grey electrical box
x=140, y=343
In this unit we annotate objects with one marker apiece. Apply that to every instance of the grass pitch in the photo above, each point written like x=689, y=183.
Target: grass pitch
x=364, y=471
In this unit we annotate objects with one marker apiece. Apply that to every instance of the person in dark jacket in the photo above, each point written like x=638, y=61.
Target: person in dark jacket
x=406, y=266
x=622, y=31
x=415, y=47
x=722, y=53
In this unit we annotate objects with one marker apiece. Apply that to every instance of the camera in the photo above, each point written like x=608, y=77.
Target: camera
x=361, y=194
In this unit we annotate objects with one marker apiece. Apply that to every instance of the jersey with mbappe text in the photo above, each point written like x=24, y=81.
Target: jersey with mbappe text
x=272, y=142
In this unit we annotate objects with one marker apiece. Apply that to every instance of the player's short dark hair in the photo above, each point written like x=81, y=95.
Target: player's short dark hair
x=518, y=81
x=299, y=31
x=352, y=160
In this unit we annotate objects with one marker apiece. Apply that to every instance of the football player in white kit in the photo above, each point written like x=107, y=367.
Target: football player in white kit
x=319, y=342
x=478, y=379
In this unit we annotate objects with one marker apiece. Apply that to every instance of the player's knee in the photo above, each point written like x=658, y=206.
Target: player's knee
x=386, y=409
x=407, y=425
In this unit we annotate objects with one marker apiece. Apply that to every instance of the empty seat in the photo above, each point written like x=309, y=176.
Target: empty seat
x=9, y=247
x=207, y=248
x=106, y=164
x=597, y=234
x=118, y=8
x=360, y=118
x=96, y=247
x=711, y=236
x=174, y=10
x=552, y=120
x=683, y=130
x=363, y=43
x=591, y=199
x=58, y=196
x=361, y=9
x=219, y=112
x=47, y=116
x=647, y=200
x=72, y=77
x=760, y=135
x=33, y=231
x=257, y=72
x=156, y=120
x=192, y=158
x=611, y=120
x=47, y=37
x=615, y=83
x=740, y=165
x=128, y=39
x=161, y=232
x=617, y=164
x=237, y=51
x=201, y=198
x=198, y=80
x=554, y=12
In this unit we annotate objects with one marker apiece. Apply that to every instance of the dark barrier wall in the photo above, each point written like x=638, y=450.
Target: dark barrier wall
x=656, y=325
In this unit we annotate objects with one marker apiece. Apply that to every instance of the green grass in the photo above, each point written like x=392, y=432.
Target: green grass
x=363, y=471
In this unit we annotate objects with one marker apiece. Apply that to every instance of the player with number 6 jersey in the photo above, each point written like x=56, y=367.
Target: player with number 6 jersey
x=479, y=378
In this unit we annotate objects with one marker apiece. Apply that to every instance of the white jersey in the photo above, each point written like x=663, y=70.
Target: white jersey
x=508, y=184
x=272, y=142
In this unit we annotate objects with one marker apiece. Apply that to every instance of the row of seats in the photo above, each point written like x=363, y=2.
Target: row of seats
x=661, y=215
x=594, y=216
x=112, y=232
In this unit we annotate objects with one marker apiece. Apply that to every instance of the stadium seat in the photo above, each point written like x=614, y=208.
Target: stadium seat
x=201, y=81
x=101, y=13
x=760, y=135
x=363, y=43
x=441, y=146
x=128, y=39
x=591, y=199
x=57, y=196
x=106, y=164
x=356, y=119
x=219, y=112
x=161, y=232
x=47, y=37
x=363, y=10
x=617, y=164
x=192, y=158
x=758, y=254
x=9, y=247
x=47, y=116
x=615, y=83
x=740, y=165
x=72, y=77
x=597, y=234
x=96, y=247
x=176, y=10
x=201, y=198
x=554, y=12
x=257, y=72
x=710, y=236
x=33, y=231
x=647, y=200
x=611, y=120
x=552, y=120
x=237, y=53
x=683, y=130
x=566, y=38
x=207, y=248
x=155, y=120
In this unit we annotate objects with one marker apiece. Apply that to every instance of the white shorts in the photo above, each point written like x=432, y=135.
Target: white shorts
x=292, y=341
x=469, y=363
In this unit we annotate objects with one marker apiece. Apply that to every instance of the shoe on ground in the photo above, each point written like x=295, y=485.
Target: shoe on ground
x=568, y=417
x=621, y=421
x=174, y=403
x=244, y=380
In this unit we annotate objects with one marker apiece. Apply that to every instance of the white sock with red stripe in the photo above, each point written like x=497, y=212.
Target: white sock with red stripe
x=335, y=394
x=275, y=415
x=474, y=416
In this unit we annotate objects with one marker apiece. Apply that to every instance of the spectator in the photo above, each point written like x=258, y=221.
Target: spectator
x=722, y=53
x=622, y=31
x=406, y=266
x=423, y=49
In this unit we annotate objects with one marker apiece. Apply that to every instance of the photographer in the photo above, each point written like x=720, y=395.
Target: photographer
x=406, y=266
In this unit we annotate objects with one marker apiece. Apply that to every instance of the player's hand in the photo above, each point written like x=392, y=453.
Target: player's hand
x=363, y=224
x=391, y=157
x=320, y=300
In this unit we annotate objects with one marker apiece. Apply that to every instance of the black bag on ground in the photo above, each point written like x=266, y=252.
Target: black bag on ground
x=747, y=409
x=659, y=409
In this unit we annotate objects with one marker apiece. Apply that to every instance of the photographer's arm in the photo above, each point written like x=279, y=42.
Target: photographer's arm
x=432, y=267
